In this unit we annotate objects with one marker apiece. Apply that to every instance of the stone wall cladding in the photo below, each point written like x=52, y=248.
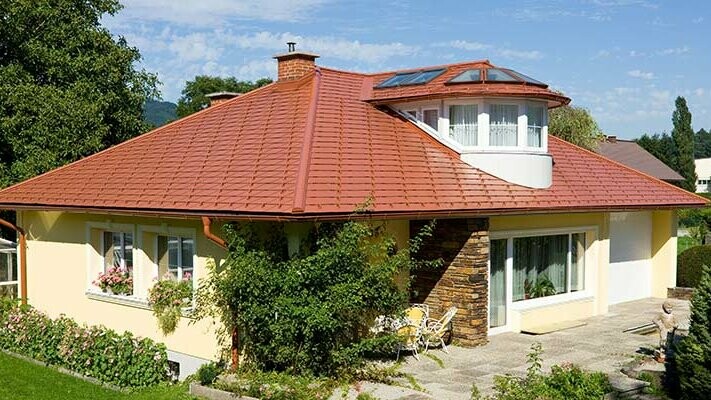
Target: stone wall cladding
x=463, y=245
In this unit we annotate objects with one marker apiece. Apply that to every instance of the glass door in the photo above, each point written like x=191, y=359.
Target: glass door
x=497, y=283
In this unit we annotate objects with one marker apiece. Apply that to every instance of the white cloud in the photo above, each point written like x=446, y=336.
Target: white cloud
x=673, y=51
x=195, y=47
x=217, y=12
x=493, y=50
x=602, y=54
x=699, y=92
x=697, y=20
x=635, y=73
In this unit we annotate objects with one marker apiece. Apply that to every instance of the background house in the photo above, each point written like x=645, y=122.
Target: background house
x=629, y=153
x=703, y=175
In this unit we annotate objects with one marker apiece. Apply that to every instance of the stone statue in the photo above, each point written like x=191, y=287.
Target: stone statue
x=667, y=323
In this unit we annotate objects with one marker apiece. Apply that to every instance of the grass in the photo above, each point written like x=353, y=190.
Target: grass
x=24, y=380
x=684, y=242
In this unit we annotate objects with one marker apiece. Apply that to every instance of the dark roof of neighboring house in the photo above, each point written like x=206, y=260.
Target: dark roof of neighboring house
x=633, y=155
x=313, y=148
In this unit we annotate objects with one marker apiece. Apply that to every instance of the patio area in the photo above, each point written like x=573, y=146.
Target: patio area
x=600, y=345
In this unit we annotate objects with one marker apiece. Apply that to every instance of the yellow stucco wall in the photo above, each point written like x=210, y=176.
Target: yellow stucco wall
x=61, y=266
x=664, y=246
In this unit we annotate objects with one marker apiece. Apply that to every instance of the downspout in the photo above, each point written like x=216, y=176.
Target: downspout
x=23, y=258
x=234, y=351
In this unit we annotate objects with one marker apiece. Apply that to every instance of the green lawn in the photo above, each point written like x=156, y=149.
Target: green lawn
x=23, y=380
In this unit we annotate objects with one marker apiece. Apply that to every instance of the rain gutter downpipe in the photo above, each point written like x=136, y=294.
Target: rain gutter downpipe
x=23, y=257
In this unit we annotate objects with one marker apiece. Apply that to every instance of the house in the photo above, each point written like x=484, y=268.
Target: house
x=467, y=143
x=703, y=175
x=629, y=153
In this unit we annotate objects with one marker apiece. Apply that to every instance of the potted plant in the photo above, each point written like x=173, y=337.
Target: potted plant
x=115, y=280
x=168, y=297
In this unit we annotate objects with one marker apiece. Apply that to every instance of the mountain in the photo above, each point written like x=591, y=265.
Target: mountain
x=158, y=113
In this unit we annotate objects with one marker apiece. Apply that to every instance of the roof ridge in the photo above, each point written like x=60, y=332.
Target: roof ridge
x=142, y=136
x=302, y=175
x=626, y=167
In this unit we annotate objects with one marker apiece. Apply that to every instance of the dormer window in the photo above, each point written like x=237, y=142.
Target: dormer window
x=431, y=117
x=536, y=115
x=503, y=125
x=463, y=124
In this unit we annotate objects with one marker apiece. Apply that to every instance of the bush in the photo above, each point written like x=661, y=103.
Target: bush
x=208, y=373
x=309, y=314
x=690, y=264
x=168, y=296
x=566, y=382
x=119, y=359
x=277, y=386
x=693, y=353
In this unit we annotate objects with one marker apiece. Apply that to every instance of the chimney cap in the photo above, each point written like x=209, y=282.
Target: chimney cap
x=296, y=54
x=221, y=95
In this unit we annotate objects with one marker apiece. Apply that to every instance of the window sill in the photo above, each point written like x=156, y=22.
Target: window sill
x=548, y=301
x=130, y=301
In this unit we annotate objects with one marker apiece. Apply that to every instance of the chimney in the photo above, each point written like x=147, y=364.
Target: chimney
x=220, y=97
x=295, y=64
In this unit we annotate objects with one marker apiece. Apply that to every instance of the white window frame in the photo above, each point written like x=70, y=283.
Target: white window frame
x=591, y=235
x=439, y=117
x=166, y=230
x=123, y=247
x=15, y=280
x=180, y=255
x=91, y=255
x=520, y=118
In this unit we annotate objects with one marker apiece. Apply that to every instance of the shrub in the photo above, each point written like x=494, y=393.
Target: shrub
x=119, y=359
x=208, y=373
x=565, y=382
x=168, y=296
x=311, y=313
x=277, y=386
x=693, y=353
x=690, y=263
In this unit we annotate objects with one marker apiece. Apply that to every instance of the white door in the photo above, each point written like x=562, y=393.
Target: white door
x=630, y=256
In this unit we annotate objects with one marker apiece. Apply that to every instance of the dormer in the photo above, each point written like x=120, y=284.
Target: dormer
x=495, y=118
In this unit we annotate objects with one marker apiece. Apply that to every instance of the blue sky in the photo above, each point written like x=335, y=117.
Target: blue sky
x=624, y=60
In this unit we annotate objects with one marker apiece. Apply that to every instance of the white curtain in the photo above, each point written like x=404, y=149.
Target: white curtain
x=535, y=125
x=497, y=283
x=577, y=264
x=538, y=258
x=463, y=125
x=503, y=125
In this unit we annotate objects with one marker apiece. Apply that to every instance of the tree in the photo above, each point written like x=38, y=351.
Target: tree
x=661, y=147
x=693, y=353
x=68, y=88
x=575, y=125
x=193, y=95
x=683, y=137
x=702, y=144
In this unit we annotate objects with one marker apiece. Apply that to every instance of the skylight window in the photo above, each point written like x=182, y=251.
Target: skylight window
x=526, y=78
x=411, y=78
x=470, y=75
x=498, y=75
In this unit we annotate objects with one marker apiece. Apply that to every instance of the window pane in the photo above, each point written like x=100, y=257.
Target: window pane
x=493, y=74
x=424, y=77
x=535, y=125
x=397, y=79
x=188, y=249
x=13, y=266
x=8, y=291
x=430, y=117
x=463, y=125
x=173, y=254
x=162, y=256
x=108, y=250
x=128, y=252
x=413, y=113
x=5, y=268
x=503, y=128
x=540, y=266
x=470, y=75
x=497, y=283
x=577, y=264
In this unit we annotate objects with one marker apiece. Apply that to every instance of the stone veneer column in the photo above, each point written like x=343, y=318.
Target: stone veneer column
x=463, y=245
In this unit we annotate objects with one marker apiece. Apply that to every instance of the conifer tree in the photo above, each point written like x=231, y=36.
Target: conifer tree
x=683, y=137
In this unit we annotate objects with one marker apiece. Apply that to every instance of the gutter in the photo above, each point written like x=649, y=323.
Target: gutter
x=206, y=223
x=23, y=258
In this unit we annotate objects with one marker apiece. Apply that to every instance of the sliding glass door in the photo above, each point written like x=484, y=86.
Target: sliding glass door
x=497, y=284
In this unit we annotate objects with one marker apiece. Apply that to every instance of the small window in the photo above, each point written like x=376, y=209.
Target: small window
x=413, y=113
x=498, y=75
x=431, y=117
x=470, y=75
x=526, y=78
x=175, y=256
x=463, y=124
x=411, y=78
x=118, y=251
x=536, y=114
x=503, y=125
x=8, y=274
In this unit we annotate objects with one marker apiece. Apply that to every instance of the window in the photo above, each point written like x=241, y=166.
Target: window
x=411, y=78
x=431, y=117
x=470, y=75
x=536, y=114
x=503, y=125
x=413, y=113
x=8, y=274
x=175, y=256
x=463, y=126
x=118, y=251
x=548, y=265
x=498, y=75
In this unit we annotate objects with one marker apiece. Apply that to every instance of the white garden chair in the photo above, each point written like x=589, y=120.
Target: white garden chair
x=435, y=330
x=411, y=336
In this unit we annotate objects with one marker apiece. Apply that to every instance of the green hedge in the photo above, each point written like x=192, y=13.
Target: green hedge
x=95, y=351
x=689, y=263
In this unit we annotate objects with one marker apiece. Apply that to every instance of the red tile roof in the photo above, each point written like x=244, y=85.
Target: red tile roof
x=311, y=148
x=440, y=87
